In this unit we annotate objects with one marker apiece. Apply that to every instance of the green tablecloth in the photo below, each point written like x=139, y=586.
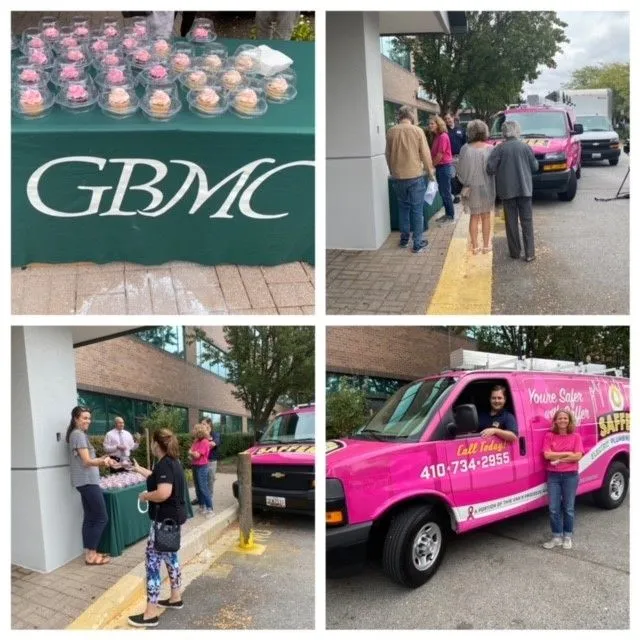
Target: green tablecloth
x=126, y=524
x=428, y=210
x=259, y=212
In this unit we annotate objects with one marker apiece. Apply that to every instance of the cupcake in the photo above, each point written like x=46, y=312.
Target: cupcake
x=115, y=76
x=77, y=94
x=31, y=102
x=160, y=103
x=141, y=56
x=277, y=88
x=245, y=62
x=130, y=43
x=51, y=33
x=38, y=57
x=213, y=62
x=158, y=72
x=111, y=60
x=200, y=33
x=36, y=43
x=161, y=47
x=69, y=72
x=99, y=46
x=231, y=79
x=119, y=99
x=69, y=41
x=181, y=62
x=140, y=30
x=29, y=76
x=196, y=79
x=81, y=32
x=75, y=55
x=208, y=100
x=110, y=32
x=246, y=101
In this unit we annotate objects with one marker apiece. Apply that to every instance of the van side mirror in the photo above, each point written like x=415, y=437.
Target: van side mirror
x=466, y=417
x=578, y=129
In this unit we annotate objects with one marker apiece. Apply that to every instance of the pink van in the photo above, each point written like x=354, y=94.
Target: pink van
x=552, y=133
x=420, y=470
x=283, y=463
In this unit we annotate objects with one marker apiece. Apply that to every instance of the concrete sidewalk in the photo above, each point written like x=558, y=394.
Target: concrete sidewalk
x=173, y=288
x=55, y=600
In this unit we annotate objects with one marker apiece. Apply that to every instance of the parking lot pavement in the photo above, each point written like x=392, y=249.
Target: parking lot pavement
x=500, y=577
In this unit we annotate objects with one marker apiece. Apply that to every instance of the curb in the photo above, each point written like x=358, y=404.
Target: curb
x=131, y=587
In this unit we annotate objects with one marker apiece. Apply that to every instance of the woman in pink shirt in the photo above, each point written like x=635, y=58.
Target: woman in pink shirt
x=199, y=454
x=443, y=162
x=562, y=448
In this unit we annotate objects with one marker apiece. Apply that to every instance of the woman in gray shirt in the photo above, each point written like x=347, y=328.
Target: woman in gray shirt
x=85, y=477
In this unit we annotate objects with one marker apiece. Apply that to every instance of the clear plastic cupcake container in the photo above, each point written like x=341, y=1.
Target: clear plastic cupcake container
x=99, y=44
x=131, y=40
x=246, y=59
x=114, y=77
x=140, y=57
x=281, y=87
x=31, y=102
x=66, y=40
x=50, y=29
x=119, y=102
x=15, y=42
x=32, y=39
x=64, y=72
x=81, y=26
x=208, y=102
x=196, y=77
x=161, y=48
x=23, y=72
x=231, y=79
x=202, y=31
x=78, y=96
x=213, y=57
x=248, y=103
x=42, y=57
x=157, y=72
x=182, y=56
x=111, y=28
x=78, y=55
x=111, y=58
x=161, y=103
x=141, y=27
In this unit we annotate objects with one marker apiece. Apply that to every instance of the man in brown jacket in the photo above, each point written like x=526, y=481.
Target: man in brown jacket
x=408, y=159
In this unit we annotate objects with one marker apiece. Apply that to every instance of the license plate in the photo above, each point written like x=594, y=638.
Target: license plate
x=273, y=501
x=596, y=155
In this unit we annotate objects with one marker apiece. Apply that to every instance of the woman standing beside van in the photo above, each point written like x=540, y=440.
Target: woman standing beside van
x=562, y=448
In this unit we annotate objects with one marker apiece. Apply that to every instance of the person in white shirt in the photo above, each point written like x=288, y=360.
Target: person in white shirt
x=119, y=443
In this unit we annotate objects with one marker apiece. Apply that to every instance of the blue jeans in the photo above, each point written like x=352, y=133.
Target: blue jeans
x=201, y=478
x=444, y=175
x=562, y=487
x=410, y=195
x=95, y=515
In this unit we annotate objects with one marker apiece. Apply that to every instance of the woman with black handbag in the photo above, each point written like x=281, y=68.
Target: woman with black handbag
x=165, y=495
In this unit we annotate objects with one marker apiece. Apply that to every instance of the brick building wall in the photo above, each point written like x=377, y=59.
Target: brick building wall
x=400, y=86
x=391, y=352
x=132, y=368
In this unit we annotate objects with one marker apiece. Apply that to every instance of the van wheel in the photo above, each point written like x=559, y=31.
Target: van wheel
x=572, y=187
x=414, y=546
x=614, y=488
x=614, y=161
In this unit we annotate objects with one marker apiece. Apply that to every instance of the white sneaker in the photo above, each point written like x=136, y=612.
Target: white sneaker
x=567, y=543
x=209, y=513
x=554, y=542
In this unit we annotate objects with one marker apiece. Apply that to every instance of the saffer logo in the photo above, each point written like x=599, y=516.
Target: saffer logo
x=616, y=398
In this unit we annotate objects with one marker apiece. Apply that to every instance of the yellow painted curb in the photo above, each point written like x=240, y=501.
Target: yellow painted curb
x=254, y=550
x=465, y=285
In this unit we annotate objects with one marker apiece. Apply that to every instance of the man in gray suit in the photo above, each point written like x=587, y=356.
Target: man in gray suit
x=513, y=164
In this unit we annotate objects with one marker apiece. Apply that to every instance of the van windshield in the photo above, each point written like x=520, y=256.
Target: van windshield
x=405, y=414
x=291, y=427
x=533, y=124
x=594, y=123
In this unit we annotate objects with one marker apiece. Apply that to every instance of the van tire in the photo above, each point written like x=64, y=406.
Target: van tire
x=616, y=473
x=614, y=161
x=398, y=554
x=572, y=188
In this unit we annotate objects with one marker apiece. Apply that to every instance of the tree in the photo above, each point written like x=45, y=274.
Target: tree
x=346, y=410
x=614, y=75
x=488, y=65
x=266, y=364
x=603, y=345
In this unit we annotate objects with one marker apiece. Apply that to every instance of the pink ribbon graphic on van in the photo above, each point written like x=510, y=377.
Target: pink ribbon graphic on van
x=470, y=513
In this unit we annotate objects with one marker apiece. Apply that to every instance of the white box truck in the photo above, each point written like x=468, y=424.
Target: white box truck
x=591, y=102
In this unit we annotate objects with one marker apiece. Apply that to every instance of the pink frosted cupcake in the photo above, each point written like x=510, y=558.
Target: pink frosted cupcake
x=160, y=103
x=246, y=101
x=141, y=56
x=29, y=76
x=158, y=72
x=200, y=33
x=119, y=99
x=115, y=76
x=111, y=60
x=213, y=62
x=162, y=48
x=31, y=102
x=140, y=30
x=110, y=32
x=51, y=33
x=196, y=79
x=77, y=93
x=99, y=46
x=207, y=100
x=36, y=43
x=277, y=88
x=245, y=62
x=69, y=72
x=68, y=42
x=75, y=55
x=231, y=79
x=181, y=62
x=38, y=57
x=81, y=32
x=130, y=44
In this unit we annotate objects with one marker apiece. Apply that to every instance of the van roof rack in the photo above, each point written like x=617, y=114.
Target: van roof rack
x=466, y=360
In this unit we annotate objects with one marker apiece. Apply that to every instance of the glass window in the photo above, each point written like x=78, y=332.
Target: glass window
x=170, y=339
x=534, y=124
x=390, y=114
x=224, y=423
x=95, y=402
x=291, y=427
x=389, y=50
x=374, y=387
x=206, y=353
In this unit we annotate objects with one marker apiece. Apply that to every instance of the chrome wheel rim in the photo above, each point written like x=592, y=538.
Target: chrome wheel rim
x=426, y=546
x=616, y=486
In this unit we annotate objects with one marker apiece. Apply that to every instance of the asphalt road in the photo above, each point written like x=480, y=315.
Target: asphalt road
x=500, y=577
x=582, y=250
x=274, y=590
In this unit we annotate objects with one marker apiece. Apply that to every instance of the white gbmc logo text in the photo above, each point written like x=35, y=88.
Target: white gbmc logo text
x=156, y=207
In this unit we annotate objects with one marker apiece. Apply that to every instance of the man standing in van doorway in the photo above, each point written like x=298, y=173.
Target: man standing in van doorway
x=498, y=421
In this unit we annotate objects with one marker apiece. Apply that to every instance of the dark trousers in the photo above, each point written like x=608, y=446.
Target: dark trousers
x=514, y=209
x=188, y=18
x=95, y=515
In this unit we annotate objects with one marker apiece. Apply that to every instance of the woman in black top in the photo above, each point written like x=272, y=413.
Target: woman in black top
x=165, y=495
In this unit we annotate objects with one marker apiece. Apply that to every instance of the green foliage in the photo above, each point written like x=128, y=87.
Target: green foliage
x=234, y=443
x=304, y=31
x=253, y=33
x=614, y=75
x=265, y=364
x=346, y=411
x=164, y=417
x=487, y=66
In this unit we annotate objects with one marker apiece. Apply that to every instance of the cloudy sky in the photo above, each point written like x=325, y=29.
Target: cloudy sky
x=595, y=37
